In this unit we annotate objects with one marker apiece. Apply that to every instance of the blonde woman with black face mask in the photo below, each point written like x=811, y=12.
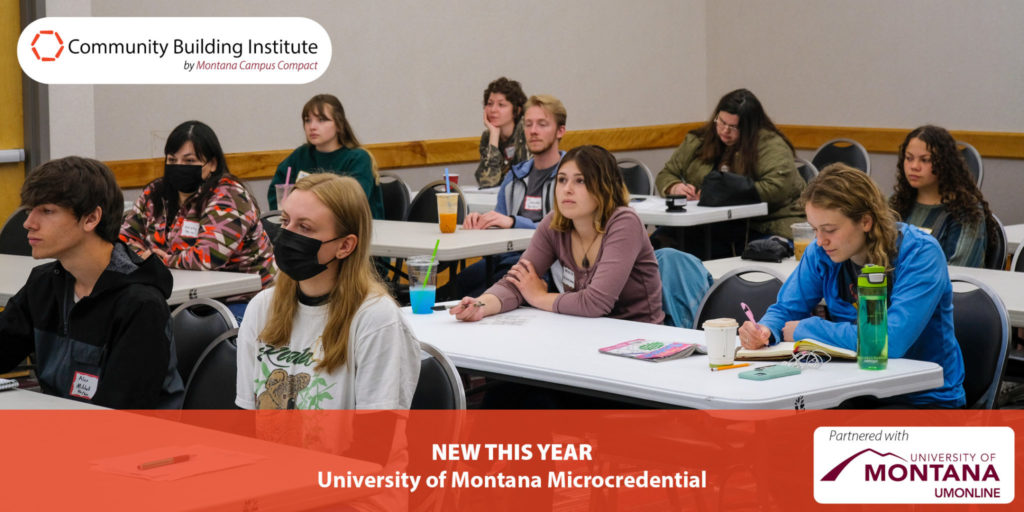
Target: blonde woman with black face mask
x=328, y=314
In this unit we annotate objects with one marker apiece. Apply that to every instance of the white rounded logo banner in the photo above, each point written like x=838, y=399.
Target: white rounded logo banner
x=174, y=50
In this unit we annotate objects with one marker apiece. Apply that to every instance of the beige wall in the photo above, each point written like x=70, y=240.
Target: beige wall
x=873, y=62
x=880, y=63
x=409, y=70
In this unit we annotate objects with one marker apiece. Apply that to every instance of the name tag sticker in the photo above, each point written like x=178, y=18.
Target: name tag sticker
x=510, y=151
x=84, y=385
x=532, y=203
x=568, y=278
x=190, y=229
x=302, y=174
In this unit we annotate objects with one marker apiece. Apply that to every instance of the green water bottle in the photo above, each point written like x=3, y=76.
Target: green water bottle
x=872, y=327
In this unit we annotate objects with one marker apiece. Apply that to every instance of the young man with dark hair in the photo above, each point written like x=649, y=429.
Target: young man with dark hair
x=97, y=317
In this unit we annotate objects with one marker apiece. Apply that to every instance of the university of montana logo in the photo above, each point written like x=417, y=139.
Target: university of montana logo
x=914, y=465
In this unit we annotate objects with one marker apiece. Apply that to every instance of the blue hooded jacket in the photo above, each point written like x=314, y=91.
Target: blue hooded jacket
x=920, y=314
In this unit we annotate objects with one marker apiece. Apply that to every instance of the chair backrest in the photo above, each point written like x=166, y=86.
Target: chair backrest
x=973, y=159
x=439, y=385
x=637, y=176
x=982, y=329
x=14, y=236
x=195, y=324
x=995, y=258
x=212, y=384
x=271, y=223
x=806, y=169
x=1017, y=263
x=396, y=197
x=424, y=206
x=847, y=151
x=724, y=297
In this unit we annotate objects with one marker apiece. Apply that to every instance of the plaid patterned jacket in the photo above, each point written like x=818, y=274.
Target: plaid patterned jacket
x=223, y=234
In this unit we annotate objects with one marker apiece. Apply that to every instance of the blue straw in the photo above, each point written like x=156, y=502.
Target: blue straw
x=447, y=184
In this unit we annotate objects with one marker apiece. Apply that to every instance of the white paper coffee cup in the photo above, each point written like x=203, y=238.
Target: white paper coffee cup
x=720, y=340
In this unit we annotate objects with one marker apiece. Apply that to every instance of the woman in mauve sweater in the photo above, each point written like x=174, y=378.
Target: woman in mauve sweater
x=608, y=264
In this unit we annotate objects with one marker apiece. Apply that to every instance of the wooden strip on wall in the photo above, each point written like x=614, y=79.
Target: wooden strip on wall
x=392, y=155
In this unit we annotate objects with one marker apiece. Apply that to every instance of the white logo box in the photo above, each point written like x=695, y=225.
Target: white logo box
x=914, y=465
x=290, y=50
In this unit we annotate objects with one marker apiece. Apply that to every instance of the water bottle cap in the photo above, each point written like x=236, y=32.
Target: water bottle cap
x=872, y=276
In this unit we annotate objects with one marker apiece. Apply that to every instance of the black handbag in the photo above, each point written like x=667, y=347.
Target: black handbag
x=774, y=248
x=727, y=189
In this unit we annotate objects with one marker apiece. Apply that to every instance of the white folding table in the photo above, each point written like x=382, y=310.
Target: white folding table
x=188, y=284
x=561, y=351
x=398, y=239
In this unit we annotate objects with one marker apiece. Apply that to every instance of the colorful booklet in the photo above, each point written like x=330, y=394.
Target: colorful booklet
x=786, y=349
x=651, y=350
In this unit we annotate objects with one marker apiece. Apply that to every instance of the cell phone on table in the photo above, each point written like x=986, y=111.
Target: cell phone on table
x=770, y=372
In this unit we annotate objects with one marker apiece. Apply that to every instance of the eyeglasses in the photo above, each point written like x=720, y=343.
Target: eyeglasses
x=729, y=128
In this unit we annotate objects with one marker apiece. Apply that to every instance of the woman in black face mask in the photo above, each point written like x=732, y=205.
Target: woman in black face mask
x=301, y=341
x=199, y=216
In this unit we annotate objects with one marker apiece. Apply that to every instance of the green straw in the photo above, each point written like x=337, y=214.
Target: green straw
x=431, y=265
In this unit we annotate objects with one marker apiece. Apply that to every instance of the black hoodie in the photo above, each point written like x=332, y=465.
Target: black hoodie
x=112, y=348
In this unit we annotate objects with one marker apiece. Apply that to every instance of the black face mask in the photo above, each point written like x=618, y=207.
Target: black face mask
x=296, y=255
x=183, y=178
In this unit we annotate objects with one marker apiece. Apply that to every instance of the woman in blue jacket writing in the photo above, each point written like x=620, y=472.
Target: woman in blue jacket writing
x=854, y=227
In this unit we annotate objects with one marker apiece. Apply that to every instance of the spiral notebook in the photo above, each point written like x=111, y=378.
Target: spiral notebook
x=6, y=384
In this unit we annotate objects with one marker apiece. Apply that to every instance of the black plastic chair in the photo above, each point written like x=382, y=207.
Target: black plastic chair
x=424, y=206
x=195, y=324
x=212, y=384
x=14, y=236
x=982, y=329
x=847, y=151
x=396, y=197
x=724, y=297
x=439, y=385
x=995, y=259
x=636, y=176
x=973, y=160
x=806, y=169
x=1017, y=264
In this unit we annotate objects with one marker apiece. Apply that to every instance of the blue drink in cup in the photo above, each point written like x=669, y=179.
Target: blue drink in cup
x=422, y=284
x=422, y=298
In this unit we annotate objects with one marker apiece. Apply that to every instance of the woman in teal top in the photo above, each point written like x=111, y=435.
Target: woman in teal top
x=331, y=146
x=936, y=192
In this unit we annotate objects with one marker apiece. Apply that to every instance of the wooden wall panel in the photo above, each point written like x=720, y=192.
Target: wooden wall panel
x=391, y=155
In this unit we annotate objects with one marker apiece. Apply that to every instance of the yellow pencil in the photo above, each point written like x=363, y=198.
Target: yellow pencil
x=730, y=367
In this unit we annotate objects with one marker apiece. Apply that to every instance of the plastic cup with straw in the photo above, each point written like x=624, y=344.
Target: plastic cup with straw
x=423, y=292
x=447, y=206
x=282, y=189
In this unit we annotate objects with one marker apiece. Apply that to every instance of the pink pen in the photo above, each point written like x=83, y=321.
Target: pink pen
x=746, y=309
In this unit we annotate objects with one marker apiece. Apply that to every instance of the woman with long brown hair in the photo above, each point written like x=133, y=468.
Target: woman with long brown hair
x=331, y=146
x=608, y=264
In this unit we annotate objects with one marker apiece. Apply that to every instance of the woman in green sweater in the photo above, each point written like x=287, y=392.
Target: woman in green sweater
x=739, y=138
x=331, y=146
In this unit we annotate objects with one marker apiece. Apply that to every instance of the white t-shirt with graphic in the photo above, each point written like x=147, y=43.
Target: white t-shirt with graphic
x=381, y=372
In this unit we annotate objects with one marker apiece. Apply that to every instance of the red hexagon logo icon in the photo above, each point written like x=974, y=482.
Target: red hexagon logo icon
x=49, y=42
